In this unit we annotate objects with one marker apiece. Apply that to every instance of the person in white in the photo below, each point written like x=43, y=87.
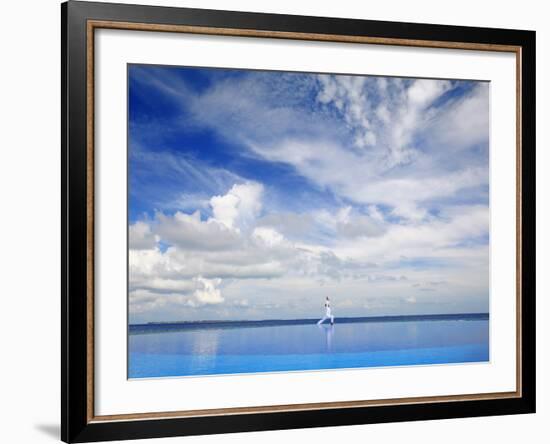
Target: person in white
x=328, y=313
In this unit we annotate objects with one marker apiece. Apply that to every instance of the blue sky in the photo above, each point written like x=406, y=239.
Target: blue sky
x=255, y=194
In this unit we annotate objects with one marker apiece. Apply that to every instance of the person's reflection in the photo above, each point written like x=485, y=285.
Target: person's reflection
x=329, y=333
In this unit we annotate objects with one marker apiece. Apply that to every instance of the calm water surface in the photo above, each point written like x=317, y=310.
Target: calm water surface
x=251, y=349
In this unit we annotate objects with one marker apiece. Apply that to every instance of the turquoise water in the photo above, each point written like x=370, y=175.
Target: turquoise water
x=211, y=350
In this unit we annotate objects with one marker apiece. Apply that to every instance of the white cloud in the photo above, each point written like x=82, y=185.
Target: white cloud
x=158, y=293
x=383, y=127
x=351, y=176
x=423, y=92
x=464, y=123
x=239, y=207
x=204, y=254
x=190, y=232
x=348, y=95
x=231, y=213
x=162, y=285
x=268, y=236
x=207, y=293
x=293, y=225
x=437, y=238
x=349, y=225
x=183, y=277
x=141, y=236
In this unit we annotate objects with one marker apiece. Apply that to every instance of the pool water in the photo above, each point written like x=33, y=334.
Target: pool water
x=275, y=348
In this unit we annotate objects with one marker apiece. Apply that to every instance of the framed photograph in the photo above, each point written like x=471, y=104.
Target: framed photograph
x=276, y=221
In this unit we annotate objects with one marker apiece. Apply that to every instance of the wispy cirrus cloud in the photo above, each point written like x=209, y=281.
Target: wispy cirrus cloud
x=400, y=142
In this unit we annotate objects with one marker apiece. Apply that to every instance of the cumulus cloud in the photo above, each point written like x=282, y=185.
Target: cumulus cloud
x=268, y=236
x=203, y=253
x=207, y=293
x=140, y=236
x=239, y=207
x=146, y=302
x=191, y=276
x=293, y=225
x=190, y=232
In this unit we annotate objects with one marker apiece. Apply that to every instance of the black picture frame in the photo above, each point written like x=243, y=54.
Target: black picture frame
x=76, y=326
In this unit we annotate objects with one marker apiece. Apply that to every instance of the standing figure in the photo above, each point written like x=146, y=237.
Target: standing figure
x=328, y=314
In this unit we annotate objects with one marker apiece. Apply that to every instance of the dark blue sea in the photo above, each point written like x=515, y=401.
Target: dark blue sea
x=220, y=348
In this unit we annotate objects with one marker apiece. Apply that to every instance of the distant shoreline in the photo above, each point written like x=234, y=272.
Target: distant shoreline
x=185, y=325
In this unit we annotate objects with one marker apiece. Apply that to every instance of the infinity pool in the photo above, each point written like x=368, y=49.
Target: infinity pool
x=212, y=350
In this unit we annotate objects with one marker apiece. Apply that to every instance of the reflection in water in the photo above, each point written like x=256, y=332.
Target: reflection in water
x=246, y=349
x=306, y=338
x=205, y=351
x=328, y=329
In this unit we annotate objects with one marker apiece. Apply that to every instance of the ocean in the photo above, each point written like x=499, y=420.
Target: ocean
x=232, y=347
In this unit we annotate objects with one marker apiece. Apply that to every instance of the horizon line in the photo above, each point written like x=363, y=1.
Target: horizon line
x=307, y=320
